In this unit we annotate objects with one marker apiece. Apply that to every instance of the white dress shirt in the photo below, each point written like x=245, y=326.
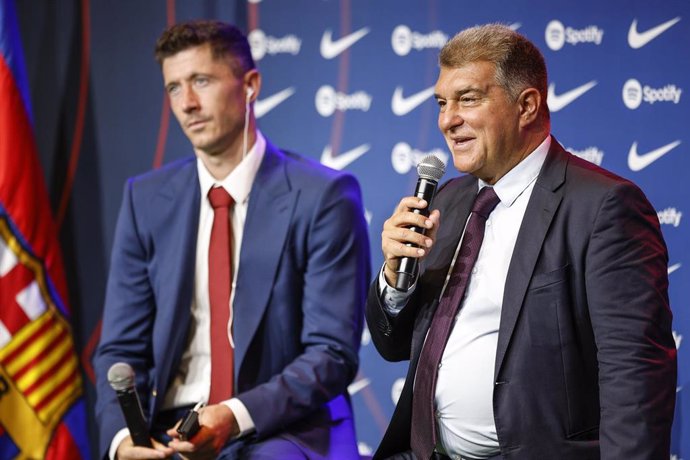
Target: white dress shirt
x=464, y=389
x=191, y=383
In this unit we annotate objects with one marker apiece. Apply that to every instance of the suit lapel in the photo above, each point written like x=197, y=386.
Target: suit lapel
x=542, y=206
x=455, y=206
x=271, y=205
x=176, y=207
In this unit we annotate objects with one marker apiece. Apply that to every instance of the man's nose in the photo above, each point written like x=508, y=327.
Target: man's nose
x=190, y=100
x=449, y=117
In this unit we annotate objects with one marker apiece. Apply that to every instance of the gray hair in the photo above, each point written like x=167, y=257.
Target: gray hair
x=518, y=62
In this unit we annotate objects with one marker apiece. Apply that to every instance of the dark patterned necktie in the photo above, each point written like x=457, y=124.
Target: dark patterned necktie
x=423, y=435
x=219, y=287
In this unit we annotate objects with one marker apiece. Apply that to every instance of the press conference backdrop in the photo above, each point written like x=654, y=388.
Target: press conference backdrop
x=350, y=83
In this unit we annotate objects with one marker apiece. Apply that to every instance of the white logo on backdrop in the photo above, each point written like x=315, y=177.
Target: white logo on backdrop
x=639, y=39
x=557, y=102
x=401, y=105
x=328, y=100
x=403, y=40
x=359, y=385
x=639, y=161
x=669, y=216
x=265, y=105
x=557, y=35
x=673, y=268
x=677, y=338
x=396, y=389
x=262, y=44
x=592, y=154
x=368, y=215
x=404, y=158
x=341, y=161
x=331, y=48
x=634, y=94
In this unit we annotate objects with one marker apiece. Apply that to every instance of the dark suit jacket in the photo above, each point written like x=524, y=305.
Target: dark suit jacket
x=301, y=286
x=586, y=363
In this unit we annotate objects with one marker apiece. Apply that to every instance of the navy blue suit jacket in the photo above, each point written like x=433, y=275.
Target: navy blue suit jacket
x=585, y=366
x=301, y=286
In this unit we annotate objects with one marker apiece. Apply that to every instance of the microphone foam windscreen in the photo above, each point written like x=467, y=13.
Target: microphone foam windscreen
x=121, y=376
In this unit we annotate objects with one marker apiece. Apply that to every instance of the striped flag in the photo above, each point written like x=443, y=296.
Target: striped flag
x=42, y=413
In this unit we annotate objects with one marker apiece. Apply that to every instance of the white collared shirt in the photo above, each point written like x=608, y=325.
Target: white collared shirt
x=464, y=389
x=192, y=383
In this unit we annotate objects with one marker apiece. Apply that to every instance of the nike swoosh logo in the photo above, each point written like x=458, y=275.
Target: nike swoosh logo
x=639, y=39
x=558, y=101
x=358, y=386
x=330, y=48
x=403, y=105
x=341, y=161
x=673, y=268
x=637, y=162
x=262, y=107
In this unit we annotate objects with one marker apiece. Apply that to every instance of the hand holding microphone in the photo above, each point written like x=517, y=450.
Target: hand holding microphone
x=403, y=237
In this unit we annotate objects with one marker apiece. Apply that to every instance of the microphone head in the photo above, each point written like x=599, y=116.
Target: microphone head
x=431, y=168
x=121, y=376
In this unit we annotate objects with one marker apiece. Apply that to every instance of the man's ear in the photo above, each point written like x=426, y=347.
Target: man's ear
x=530, y=104
x=252, y=84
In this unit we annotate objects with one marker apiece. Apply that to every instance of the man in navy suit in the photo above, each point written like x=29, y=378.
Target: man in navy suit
x=300, y=269
x=561, y=345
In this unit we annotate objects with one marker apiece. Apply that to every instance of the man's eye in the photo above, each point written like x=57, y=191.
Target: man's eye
x=201, y=81
x=441, y=104
x=468, y=99
x=173, y=89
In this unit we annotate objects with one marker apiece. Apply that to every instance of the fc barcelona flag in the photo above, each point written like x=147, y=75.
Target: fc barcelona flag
x=42, y=413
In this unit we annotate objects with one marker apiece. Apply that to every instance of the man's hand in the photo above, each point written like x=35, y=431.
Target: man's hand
x=396, y=234
x=218, y=424
x=127, y=450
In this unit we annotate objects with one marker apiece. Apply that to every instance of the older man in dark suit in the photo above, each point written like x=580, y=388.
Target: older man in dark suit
x=539, y=327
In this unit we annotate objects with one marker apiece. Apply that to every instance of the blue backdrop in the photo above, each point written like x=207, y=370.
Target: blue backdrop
x=349, y=82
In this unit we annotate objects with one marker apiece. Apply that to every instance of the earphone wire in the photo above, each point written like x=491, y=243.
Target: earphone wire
x=246, y=128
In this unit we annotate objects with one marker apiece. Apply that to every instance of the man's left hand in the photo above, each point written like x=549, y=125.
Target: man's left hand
x=217, y=423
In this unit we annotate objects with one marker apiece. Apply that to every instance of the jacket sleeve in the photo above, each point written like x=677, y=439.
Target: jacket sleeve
x=335, y=278
x=127, y=322
x=626, y=282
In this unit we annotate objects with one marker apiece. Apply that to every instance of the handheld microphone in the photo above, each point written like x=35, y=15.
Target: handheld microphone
x=121, y=378
x=430, y=170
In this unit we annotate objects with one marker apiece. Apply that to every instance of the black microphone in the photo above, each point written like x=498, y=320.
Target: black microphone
x=430, y=170
x=121, y=378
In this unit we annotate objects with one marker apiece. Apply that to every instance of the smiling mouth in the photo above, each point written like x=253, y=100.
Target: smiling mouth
x=460, y=141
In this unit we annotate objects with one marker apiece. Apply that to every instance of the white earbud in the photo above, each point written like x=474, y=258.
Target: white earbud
x=250, y=93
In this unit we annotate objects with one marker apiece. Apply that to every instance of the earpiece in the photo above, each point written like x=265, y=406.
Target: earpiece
x=250, y=93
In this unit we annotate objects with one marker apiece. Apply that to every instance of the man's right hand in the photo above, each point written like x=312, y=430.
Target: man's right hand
x=396, y=234
x=127, y=450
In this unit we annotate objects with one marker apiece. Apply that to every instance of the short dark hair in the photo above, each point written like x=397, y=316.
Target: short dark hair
x=225, y=39
x=518, y=62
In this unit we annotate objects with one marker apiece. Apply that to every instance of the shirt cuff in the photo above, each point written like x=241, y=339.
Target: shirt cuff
x=393, y=300
x=115, y=443
x=244, y=420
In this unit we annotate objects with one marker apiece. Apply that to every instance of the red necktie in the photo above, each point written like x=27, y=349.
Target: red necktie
x=219, y=287
x=423, y=435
